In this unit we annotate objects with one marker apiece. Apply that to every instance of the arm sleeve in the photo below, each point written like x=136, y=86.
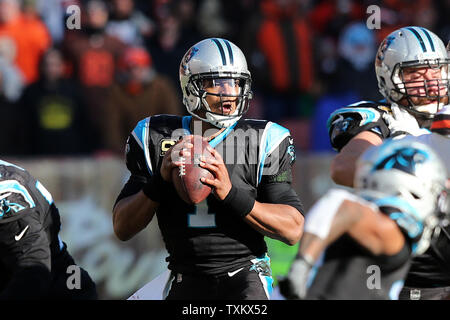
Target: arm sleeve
x=275, y=185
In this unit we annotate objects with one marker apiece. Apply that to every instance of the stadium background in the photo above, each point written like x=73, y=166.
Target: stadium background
x=69, y=98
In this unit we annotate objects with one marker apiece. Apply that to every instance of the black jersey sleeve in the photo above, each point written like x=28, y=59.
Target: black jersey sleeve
x=347, y=122
x=137, y=166
x=25, y=252
x=276, y=177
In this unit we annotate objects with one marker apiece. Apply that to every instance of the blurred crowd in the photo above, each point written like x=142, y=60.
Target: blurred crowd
x=80, y=91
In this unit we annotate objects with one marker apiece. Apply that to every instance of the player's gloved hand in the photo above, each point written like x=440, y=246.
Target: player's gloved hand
x=294, y=285
x=401, y=122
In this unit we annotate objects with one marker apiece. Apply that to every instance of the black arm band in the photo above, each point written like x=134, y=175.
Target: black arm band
x=238, y=203
x=155, y=188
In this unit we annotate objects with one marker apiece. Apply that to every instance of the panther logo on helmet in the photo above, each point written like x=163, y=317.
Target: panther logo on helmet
x=404, y=159
x=382, y=50
x=407, y=175
x=187, y=57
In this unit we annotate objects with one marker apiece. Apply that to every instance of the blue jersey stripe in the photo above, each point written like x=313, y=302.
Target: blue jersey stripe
x=370, y=115
x=141, y=132
x=214, y=142
x=45, y=193
x=275, y=134
x=186, y=121
x=15, y=186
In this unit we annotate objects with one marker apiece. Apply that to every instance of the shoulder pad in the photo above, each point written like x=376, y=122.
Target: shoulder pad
x=345, y=123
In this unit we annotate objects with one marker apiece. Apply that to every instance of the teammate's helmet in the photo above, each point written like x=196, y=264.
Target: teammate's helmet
x=412, y=47
x=407, y=175
x=212, y=59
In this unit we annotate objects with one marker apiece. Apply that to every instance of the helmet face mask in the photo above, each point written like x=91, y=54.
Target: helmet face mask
x=230, y=89
x=407, y=50
x=215, y=70
x=407, y=175
x=418, y=91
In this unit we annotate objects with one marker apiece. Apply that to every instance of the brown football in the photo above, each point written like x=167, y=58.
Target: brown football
x=186, y=178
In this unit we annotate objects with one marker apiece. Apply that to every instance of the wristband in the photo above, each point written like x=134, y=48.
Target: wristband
x=238, y=203
x=155, y=188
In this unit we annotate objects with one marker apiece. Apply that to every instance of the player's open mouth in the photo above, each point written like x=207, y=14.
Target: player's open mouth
x=226, y=107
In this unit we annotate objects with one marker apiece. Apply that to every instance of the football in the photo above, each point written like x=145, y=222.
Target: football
x=186, y=178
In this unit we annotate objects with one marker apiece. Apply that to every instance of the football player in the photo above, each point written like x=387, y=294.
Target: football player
x=34, y=261
x=216, y=248
x=432, y=265
x=412, y=68
x=370, y=235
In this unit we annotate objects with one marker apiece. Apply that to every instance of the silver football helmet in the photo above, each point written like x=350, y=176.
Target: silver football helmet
x=214, y=60
x=407, y=175
x=413, y=47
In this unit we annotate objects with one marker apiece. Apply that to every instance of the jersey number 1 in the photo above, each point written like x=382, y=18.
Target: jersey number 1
x=202, y=218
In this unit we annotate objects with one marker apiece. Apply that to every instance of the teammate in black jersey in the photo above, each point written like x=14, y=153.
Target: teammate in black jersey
x=412, y=68
x=216, y=248
x=434, y=265
x=370, y=235
x=34, y=262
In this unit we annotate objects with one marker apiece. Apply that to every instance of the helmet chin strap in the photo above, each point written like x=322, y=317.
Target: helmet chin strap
x=222, y=121
x=216, y=120
x=428, y=108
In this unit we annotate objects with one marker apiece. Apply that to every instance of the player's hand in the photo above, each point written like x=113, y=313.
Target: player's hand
x=221, y=183
x=172, y=158
x=294, y=285
x=401, y=122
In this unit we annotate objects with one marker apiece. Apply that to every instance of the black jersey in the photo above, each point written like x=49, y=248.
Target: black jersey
x=432, y=268
x=204, y=238
x=350, y=271
x=33, y=259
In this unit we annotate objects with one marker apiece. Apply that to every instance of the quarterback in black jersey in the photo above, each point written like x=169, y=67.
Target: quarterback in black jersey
x=216, y=248
x=371, y=234
x=34, y=262
x=412, y=68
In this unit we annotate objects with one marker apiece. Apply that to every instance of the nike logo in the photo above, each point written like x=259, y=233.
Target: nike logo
x=20, y=235
x=230, y=274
